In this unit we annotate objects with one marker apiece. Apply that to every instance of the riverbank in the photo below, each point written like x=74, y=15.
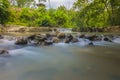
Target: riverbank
x=24, y=29
x=115, y=29
x=12, y=28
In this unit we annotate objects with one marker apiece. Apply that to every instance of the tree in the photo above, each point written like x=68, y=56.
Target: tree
x=61, y=17
x=4, y=11
x=97, y=13
x=24, y=3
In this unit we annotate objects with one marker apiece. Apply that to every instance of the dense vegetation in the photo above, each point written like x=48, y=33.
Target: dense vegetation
x=84, y=13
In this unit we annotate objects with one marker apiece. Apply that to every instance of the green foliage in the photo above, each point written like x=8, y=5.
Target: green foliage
x=4, y=11
x=60, y=17
x=84, y=14
x=97, y=13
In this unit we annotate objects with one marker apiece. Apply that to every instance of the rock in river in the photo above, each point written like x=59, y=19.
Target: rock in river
x=3, y=52
x=74, y=40
x=61, y=35
x=91, y=37
x=107, y=39
x=31, y=37
x=21, y=41
x=1, y=37
x=47, y=42
x=55, y=40
x=40, y=38
x=68, y=38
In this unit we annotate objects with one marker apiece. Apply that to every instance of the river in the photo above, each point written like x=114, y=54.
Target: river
x=61, y=61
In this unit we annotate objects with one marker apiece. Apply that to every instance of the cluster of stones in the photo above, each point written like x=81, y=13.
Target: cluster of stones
x=50, y=38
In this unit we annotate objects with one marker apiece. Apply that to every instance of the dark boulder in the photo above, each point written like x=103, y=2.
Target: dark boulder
x=21, y=41
x=3, y=52
x=91, y=43
x=98, y=38
x=55, y=40
x=31, y=37
x=82, y=36
x=1, y=37
x=40, y=38
x=79, y=35
x=91, y=37
x=69, y=36
x=67, y=40
x=74, y=40
x=48, y=35
x=61, y=35
x=107, y=39
x=47, y=42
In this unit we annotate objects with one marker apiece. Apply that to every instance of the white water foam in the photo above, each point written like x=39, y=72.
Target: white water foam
x=116, y=40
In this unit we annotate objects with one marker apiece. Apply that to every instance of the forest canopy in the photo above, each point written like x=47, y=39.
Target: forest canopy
x=84, y=13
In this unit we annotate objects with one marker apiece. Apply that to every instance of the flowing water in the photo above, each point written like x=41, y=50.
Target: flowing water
x=62, y=61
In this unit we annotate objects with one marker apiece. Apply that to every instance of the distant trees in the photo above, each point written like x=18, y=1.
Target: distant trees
x=4, y=11
x=40, y=16
x=84, y=14
x=24, y=3
x=98, y=13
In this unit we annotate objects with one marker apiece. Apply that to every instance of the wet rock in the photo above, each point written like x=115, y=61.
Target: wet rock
x=40, y=38
x=79, y=35
x=48, y=35
x=91, y=37
x=98, y=38
x=107, y=39
x=53, y=34
x=91, y=43
x=1, y=37
x=82, y=36
x=31, y=37
x=21, y=41
x=74, y=40
x=47, y=42
x=3, y=52
x=68, y=38
x=61, y=35
x=54, y=29
x=55, y=40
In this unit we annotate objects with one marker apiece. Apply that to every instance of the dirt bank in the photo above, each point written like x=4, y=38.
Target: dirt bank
x=115, y=29
x=104, y=29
